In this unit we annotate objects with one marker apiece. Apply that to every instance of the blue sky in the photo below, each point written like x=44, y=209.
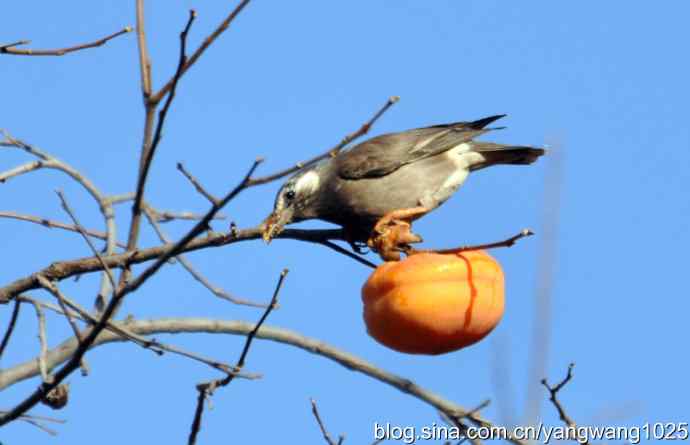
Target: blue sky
x=605, y=84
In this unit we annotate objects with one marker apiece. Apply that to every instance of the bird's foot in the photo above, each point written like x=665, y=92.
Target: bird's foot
x=393, y=235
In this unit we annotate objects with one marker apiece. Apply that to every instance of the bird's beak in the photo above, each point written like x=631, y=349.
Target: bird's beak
x=273, y=225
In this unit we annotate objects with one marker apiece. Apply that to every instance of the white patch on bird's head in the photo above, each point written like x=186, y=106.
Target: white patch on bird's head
x=307, y=183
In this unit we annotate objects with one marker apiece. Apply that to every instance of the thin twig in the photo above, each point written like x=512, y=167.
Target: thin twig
x=505, y=243
x=197, y=185
x=43, y=340
x=24, y=168
x=53, y=289
x=153, y=345
x=10, y=327
x=82, y=232
x=553, y=391
x=10, y=48
x=207, y=389
x=167, y=216
x=200, y=50
x=322, y=427
x=17, y=43
x=364, y=129
x=144, y=60
x=215, y=290
x=354, y=256
x=54, y=224
x=37, y=422
x=162, y=216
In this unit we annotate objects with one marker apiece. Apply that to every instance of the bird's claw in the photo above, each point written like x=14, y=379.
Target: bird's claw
x=392, y=239
x=392, y=234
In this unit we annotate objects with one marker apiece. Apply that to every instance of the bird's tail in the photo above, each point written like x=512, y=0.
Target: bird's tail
x=505, y=154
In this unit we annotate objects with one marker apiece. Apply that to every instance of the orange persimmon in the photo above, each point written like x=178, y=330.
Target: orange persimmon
x=432, y=303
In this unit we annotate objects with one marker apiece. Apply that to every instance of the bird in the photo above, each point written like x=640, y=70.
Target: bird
x=376, y=189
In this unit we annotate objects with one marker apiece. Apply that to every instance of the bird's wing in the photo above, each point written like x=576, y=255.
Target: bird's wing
x=385, y=154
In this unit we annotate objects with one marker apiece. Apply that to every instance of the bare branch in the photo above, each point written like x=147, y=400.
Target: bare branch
x=17, y=43
x=53, y=289
x=197, y=325
x=163, y=216
x=64, y=269
x=144, y=60
x=199, y=51
x=332, y=152
x=215, y=290
x=197, y=185
x=105, y=206
x=10, y=48
x=82, y=232
x=167, y=216
x=38, y=421
x=10, y=327
x=42, y=338
x=322, y=427
x=151, y=140
x=53, y=224
x=505, y=243
x=124, y=289
x=153, y=345
x=553, y=392
x=207, y=389
x=24, y=168
x=354, y=256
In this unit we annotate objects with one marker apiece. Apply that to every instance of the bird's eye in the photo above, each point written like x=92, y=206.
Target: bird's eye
x=290, y=195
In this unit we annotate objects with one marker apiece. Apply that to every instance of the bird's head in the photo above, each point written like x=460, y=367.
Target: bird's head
x=295, y=201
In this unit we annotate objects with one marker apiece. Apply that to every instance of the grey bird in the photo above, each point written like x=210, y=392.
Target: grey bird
x=390, y=180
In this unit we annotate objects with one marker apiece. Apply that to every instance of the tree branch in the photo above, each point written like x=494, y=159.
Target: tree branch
x=509, y=242
x=82, y=232
x=197, y=185
x=54, y=224
x=206, y=389
x=197, y=325
x=326, y=435
x=151, y=140
x=124, y=289
x=64, y=269
x=208, y=41
x=553, y=392
x=144, y=60
x=10, y=327
x=10, y=48
x=104, y=204
x=43, y=340
x=215, y=290
x=55, y=291
x=121, y=330
x=333, y=151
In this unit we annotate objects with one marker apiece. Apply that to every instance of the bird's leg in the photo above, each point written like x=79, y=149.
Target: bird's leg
x=392, y=233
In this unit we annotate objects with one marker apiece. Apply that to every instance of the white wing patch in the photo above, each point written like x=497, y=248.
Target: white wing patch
x=307, y=183
x=463, y=157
